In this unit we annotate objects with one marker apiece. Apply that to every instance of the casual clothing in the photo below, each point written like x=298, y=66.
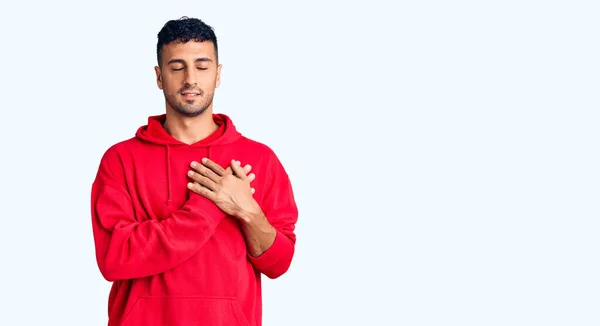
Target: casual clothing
x=173, y=256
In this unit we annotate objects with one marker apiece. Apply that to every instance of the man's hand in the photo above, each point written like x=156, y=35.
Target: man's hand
x=230, y=192
x=228, y=170
x=247, y=169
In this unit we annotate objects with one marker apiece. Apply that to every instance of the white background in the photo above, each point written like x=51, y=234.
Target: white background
x=444, y=154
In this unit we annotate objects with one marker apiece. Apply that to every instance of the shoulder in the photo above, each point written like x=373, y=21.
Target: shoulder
x=264, y=155
x=119, y=154
x=120, y=148
x=115, y=161
x=258, y=147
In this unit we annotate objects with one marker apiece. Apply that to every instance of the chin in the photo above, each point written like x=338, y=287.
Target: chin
x=191, y=113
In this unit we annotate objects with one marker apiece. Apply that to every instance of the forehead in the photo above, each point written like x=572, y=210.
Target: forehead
x=191, y=50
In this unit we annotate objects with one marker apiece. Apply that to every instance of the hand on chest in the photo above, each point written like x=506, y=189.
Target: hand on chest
x=161, y=179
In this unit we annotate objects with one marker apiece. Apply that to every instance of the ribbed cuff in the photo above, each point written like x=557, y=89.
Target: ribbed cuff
x=271, y=255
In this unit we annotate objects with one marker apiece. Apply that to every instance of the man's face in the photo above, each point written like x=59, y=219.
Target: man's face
x=188, y=76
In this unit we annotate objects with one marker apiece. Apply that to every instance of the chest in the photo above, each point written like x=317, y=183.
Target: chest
x=158, y=181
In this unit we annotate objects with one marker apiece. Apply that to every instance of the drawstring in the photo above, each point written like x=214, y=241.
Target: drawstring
x=168, y=177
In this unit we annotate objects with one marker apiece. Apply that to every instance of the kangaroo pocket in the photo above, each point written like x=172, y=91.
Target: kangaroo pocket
x=185, y=311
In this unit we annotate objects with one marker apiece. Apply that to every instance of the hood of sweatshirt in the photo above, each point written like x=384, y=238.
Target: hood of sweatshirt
x=155, y=133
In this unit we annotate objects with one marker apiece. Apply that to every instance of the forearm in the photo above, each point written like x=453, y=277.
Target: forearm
x=259, y=234
x=269, y=250
x=127, y=248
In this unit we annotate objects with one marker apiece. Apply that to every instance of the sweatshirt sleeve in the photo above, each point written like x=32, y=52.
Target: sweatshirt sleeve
x=280, y=208
x=127, y=248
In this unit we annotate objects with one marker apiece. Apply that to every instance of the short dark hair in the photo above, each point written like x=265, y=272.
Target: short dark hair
x=183, y=30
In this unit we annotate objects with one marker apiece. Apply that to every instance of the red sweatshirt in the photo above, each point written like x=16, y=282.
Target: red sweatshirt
x=175, y=258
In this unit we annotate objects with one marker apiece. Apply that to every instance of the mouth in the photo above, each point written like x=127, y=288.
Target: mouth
x=190, y=95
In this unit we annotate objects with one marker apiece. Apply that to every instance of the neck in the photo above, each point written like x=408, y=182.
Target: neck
x=190, y=130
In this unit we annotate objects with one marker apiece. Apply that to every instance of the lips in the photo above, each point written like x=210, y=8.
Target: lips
x=190, y=95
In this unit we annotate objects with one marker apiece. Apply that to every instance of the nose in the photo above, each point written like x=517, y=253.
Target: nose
x=190, y=79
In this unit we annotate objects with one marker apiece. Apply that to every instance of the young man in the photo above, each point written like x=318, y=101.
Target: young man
x=180, y=227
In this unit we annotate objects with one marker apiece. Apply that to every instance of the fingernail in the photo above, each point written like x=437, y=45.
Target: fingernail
x=204, y=160
x=190, y=173
x=189, y=185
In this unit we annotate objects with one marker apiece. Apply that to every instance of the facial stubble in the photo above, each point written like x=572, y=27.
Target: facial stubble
x=187, y=107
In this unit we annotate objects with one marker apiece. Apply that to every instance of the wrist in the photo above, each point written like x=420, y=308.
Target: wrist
x=252, y=217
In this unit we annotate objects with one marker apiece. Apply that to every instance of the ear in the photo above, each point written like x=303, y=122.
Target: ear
x=158, y=77
x=218, y=82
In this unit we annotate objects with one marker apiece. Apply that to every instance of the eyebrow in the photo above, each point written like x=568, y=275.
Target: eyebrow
x=183, y=62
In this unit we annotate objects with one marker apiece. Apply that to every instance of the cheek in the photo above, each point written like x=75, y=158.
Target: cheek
x=211, y=81
x=169, y=85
